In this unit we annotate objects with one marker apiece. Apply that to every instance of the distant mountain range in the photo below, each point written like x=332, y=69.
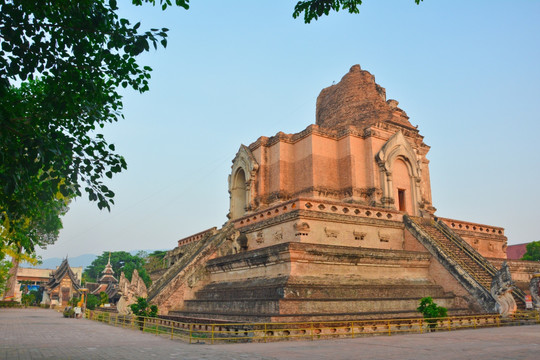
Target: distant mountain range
x=83, y=260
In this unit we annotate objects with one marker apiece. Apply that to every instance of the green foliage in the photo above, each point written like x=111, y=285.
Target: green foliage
x=430, y=310
x=92, y=302
x=159, y=254
x=62, y=64
x=143, y=309
x=38, y=296
x=68, y=312
x=103, y=298
x=74, y=301
x=313, y=9
x=9, y=304
x=155, y=261
x=4, y=275
x=28, y=299
x=120, y=261
x=533, y=251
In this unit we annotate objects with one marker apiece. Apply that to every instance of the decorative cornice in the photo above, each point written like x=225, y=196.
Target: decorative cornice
x=319, y=210
x=383, y=130
x=315, y=253
x=465, y=226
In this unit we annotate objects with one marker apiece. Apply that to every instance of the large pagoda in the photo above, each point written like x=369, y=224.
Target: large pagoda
x=336, y=222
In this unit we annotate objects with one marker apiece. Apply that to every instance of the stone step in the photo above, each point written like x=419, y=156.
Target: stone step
x=229, y=291
x=305, y=306
x=211, y=317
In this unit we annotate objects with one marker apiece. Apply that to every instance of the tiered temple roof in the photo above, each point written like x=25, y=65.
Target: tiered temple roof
x=107, y=275
x=106, y=283
x=60, y=273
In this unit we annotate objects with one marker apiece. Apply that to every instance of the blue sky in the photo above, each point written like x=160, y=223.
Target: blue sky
x=465, y=72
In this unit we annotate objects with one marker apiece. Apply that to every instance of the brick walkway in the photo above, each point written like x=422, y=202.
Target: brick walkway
x=45, y=334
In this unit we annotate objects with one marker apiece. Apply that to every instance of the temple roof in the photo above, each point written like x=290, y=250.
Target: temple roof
x=107, y=275
x=110, y=289
x=60, y=273
x=357, y=100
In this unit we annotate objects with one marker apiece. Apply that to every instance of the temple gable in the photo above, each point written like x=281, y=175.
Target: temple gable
x=400, y=175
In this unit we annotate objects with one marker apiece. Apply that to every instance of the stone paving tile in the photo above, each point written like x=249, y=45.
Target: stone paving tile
x=45, y=334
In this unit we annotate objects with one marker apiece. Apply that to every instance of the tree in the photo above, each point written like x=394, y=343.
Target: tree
x=313, y=9
x=74, y=301
x=28, y=299
x=142, y=309
x=155, y=261
x=120, y=261
x=8, y=273
x=92, y=302
x=38, y=296
x=103, y=298
x=4, y=276
x=533, y=251
x=61, y=66
x=431, y=311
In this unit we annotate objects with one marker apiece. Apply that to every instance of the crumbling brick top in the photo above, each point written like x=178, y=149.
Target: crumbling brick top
x=359, y=101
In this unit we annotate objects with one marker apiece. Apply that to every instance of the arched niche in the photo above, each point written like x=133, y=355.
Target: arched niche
x=242, y=183
x=238, y=194
x=397, y=157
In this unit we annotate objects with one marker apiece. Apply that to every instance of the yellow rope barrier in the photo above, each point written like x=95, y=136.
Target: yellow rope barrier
x=264, y=332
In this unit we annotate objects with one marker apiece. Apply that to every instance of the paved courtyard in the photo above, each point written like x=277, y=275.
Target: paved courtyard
x=45, y=334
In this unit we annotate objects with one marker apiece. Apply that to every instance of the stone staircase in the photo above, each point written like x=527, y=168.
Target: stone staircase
x=260, y=300
x=467, y=265
x=185, y=270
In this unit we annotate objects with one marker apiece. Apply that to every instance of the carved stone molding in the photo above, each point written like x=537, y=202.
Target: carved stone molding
x=384, y=237
x=333, y=233
x=359, y=235
x=301, y=228
x=397, y=147
x=260, y=237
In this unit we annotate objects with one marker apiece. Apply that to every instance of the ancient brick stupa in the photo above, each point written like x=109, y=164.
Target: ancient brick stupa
x=335, y=222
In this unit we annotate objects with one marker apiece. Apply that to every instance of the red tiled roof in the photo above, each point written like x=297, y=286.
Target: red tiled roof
x=516, y=252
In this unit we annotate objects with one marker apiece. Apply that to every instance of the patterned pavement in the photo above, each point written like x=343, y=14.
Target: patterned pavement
x=45, y=334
